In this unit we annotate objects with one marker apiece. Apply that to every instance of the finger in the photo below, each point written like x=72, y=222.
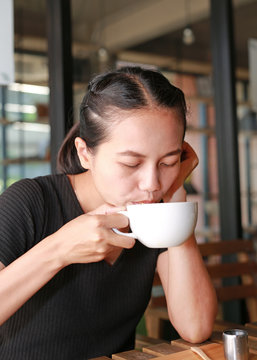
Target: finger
x=109, y=221
x=117, y=221
x=185, y=150
x=177, y=196
x=188, y=153
x=186, y=167
x=106, y=209
x=126, y=242
x=189, y=161
x=114, y=209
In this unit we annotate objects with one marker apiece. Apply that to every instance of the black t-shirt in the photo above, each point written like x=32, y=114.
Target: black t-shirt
x=86, y=310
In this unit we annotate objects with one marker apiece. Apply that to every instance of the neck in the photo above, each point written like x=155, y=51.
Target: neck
x=85, y=191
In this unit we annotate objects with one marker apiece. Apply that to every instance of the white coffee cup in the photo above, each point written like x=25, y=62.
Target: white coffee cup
x=161, y=225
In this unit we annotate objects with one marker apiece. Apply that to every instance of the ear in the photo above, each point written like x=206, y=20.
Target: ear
x=83, y=152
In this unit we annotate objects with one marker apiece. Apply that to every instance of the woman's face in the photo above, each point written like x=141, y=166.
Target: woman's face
x=141, y=158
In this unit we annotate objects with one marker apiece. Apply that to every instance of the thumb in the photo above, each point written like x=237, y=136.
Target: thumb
x=106, y=209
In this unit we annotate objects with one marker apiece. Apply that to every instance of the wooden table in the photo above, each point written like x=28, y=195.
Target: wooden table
x=181, y=350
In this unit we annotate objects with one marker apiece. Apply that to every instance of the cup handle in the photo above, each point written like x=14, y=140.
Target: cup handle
x=132, y=235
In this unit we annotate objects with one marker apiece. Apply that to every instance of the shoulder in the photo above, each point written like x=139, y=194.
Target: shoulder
x=26, y=209
x=21, y=200
x=21, y=214
x=21, y=192
x=29, y=194
x=27, y=188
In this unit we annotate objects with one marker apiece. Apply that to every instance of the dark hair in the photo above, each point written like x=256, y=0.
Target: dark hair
x=124, y=89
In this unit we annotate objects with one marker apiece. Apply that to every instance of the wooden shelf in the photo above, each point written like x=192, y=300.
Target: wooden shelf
x=211, y=131
x=41, y=120
x=201, y=130
x=248, y=133
x=23, y=160
x=201, y=99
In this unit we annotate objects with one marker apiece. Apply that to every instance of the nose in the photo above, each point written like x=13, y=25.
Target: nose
x=149, y=180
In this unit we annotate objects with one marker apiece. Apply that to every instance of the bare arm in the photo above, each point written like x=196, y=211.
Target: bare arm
x=190, y=295
x=25, y=276
x=85, y=239
x=191, y=298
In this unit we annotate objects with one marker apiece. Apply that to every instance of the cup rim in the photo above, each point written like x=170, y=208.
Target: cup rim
x=177, y=203
x=235, y=332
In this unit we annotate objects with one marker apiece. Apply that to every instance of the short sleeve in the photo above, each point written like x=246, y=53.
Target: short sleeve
x=21, y=214
x=161, y=250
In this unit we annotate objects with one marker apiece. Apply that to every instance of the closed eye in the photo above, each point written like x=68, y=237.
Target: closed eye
x=132, y=166
x=168, y=165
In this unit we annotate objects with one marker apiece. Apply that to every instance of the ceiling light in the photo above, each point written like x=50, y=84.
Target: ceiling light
x=188, y=36
x=27, y=88
x=103, y=55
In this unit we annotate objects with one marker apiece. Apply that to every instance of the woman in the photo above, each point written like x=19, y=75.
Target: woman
x=71, y=288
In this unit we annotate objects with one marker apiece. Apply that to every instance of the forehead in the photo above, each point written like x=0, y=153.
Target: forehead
x=157, y=122
x=150, y=132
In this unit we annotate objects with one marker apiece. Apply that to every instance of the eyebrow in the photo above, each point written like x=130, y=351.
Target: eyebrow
x=136, y=154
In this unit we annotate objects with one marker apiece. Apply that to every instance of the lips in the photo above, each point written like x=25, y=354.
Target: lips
x=143, y=202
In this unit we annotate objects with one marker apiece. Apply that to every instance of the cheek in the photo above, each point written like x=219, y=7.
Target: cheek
x=169, y=176
x=116, y=180
x=126, y=183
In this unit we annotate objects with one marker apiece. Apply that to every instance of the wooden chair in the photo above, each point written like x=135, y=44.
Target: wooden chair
x=243, y=266
x=156, y=312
